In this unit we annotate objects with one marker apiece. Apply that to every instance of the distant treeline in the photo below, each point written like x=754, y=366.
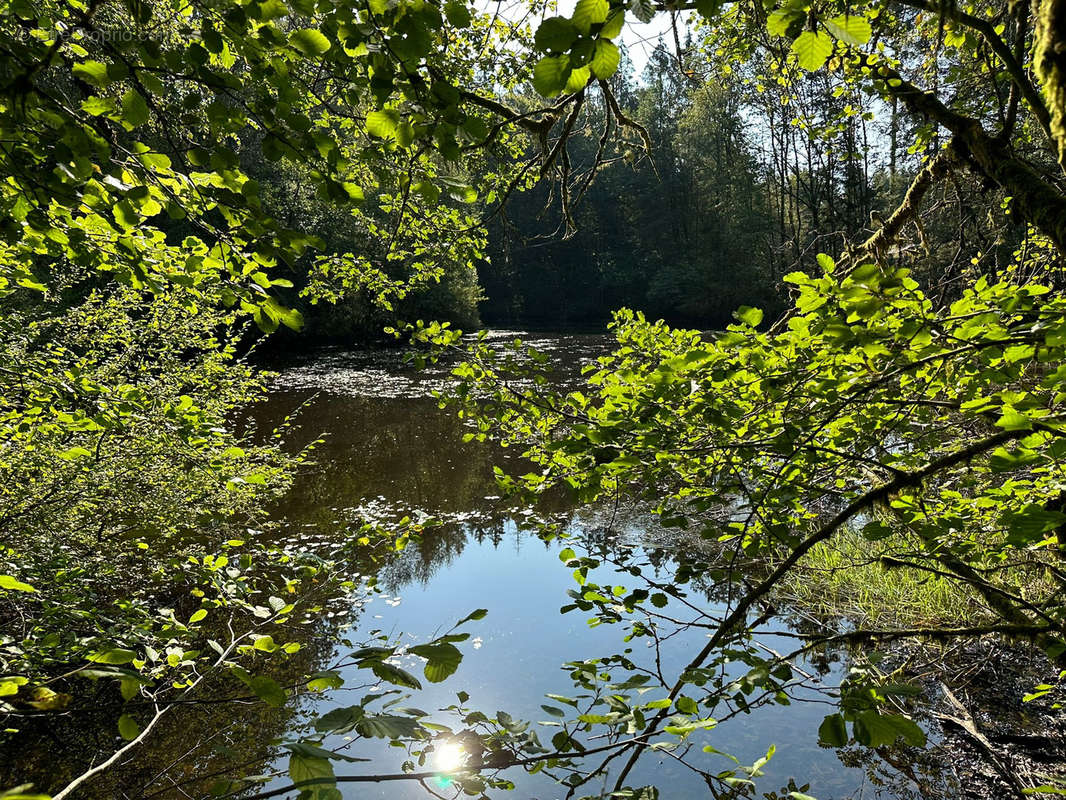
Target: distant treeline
x=744, y=182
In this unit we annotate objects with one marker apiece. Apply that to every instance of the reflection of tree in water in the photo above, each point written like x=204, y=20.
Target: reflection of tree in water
x=422, y=557
x=903, y=773
x=407, y=455
x=440, y=546
x=386, y=458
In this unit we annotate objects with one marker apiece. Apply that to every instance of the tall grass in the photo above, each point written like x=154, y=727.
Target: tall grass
x=846, y=577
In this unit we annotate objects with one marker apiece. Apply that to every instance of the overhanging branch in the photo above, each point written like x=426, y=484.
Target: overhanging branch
x=1034, y=199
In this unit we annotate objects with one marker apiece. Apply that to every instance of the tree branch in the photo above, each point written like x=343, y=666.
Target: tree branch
x=1003, y=52
x=861, y=503
x=1036, y=201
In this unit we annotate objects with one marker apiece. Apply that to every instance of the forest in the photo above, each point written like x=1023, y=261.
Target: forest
x=342, y=342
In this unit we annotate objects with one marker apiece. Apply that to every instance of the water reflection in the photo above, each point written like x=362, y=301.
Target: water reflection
x=188, y=751
x=387, y=451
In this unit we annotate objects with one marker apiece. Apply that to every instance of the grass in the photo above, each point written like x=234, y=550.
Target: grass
x=845, y=577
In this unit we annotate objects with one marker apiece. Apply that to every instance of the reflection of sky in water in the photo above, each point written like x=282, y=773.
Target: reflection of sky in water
x=390, y=452
x=525, y=641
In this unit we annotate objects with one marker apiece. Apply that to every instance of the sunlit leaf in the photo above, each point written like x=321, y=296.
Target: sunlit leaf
x=851, y=29
x=812, y=49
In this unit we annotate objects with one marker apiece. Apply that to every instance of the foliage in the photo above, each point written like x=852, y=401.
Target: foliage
x=684, y=234
x=134, y=242
x=936, y=435
x=135, y=239
x=124, y=491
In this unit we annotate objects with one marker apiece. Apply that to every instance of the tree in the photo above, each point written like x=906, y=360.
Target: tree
x=933, y=428
x=930, y=428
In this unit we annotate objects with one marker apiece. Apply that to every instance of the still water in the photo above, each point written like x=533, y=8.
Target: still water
x=385, y=451
x=388, y=450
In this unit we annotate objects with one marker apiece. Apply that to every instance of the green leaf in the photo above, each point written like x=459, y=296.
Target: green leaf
x=405, y=134
x=321, y=681
x=268, y=690
x=92, y=72
x=442, y=660
x=588, y=13
x=366, y=655
x=158, y=161
x=134, y=109
x=429, y=191
x=684, y=729
x=388, y=726
x=578, y=79
x=833, y=732
x=312, y=768
x=97, y=106
x=1013, y=420
x=128, y=727
x=383, y=124
x=555, y=35
x=309, y=42
x=749, y=316
x=686, y=705
x=13, y=584
x=198, y=615
x=708, y=9
x=314, y=751
x=289, y=317
x=458, y=14
x=115, y=656
x=613, y=26
x=266, y=323
x=473, y=616
x=22, y=793
x=875, y=531
x=779, y=21
x=644, y=10
x=126, y=215
x=129, y=686
x=272, y=9
x=339, y=720
x=10, y=685
x=555, y=712
x=812, y=49
x=875, y=730
x=550, y=74
x=605, y=59
x=850, y=29
x=47, y=700
x=1027, y=525
x=459, y=191
x=395, y=675
x=265, y=644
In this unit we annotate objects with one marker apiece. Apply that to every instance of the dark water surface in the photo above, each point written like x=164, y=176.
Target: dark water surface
x=388, y=451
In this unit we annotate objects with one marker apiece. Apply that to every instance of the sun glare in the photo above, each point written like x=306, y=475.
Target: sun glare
x=449, y=757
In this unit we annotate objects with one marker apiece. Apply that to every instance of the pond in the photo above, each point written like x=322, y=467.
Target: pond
x=388, y=450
